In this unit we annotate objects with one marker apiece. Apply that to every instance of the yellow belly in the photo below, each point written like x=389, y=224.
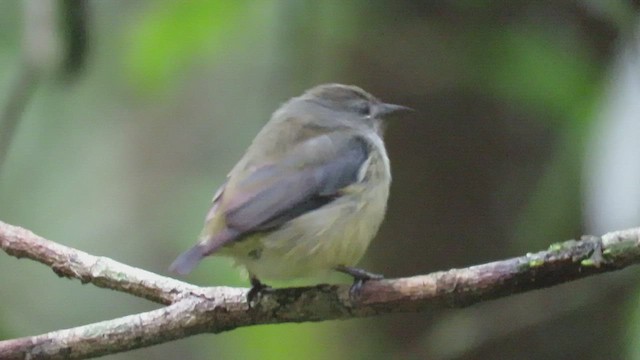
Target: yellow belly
x=315, y=243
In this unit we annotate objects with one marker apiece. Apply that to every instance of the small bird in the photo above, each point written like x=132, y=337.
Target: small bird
x=309, y=194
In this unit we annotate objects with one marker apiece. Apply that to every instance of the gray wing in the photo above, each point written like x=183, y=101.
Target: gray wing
x=215, y=202
x=277, y=193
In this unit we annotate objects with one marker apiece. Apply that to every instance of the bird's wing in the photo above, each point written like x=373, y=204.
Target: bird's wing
x=273, y=194
x=257, y=198
x=215, y=202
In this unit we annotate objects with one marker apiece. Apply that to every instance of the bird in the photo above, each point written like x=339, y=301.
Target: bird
x=309, y=194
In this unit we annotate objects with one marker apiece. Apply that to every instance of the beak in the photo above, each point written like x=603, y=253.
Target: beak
x=386, y=109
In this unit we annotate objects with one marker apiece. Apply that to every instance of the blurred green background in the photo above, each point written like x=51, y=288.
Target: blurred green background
x=525, y=133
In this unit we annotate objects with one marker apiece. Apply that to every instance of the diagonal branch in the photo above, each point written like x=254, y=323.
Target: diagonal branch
x=99, y=271
x=196, y=310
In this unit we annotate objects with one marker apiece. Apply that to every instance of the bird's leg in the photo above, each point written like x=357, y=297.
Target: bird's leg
x=256, y=288
x=360, y=276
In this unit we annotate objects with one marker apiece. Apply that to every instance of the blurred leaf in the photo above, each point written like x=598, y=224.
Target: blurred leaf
x=10, y=29
x=282, y=341
x=554, y=208
x=558, y=79
x=548, y=71
x=169, y=37
x=633, y=327
x=614, y=12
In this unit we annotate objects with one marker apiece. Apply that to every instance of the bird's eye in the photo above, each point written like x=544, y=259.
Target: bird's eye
x=364, y=109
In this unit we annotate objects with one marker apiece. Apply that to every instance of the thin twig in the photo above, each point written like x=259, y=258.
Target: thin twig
x=99, y=271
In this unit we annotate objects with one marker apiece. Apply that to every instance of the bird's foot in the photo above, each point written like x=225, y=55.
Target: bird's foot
x=360, y=276
x=257, y=289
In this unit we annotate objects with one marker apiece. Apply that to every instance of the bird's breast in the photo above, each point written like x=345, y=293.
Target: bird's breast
x=335, y=234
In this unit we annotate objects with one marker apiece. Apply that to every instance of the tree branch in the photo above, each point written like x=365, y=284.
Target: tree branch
x=99, y=271
x=194, y=310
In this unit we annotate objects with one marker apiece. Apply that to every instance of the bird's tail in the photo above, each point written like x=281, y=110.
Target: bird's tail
x=188, y=260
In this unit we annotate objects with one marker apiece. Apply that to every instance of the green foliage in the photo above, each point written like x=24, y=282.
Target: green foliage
x=633, y=326
x=543, y=70
x=168, y=38
x=557, y=79
x=291, y=341
x=9, y=25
